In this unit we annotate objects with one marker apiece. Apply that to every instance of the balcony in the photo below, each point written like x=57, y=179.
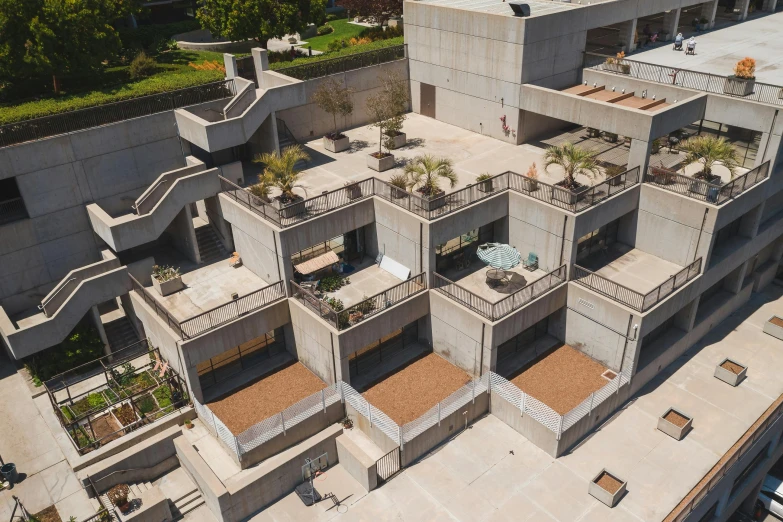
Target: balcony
x=633, y=277
x=716, y=191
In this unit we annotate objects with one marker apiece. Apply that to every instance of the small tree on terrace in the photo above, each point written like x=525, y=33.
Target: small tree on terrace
x=387, y=109
x=425, y=172
x=280, y=171
x=574, y=160
x=334, y=98
x=709, y=150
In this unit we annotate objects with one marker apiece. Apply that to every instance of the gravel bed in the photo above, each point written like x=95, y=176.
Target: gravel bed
x=676, y=419
x=409, y=392
x=609, y=483
x=265, y=397
x=561, y=378
x=734, y=368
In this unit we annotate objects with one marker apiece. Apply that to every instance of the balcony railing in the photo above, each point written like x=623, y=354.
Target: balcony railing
x=699, y=81
x=703, y=190
x=631, y=298
x=342, y=319
x=216, y=317
x=502, y=308
x=321, y=68
x=47, y=126
x=12, y=210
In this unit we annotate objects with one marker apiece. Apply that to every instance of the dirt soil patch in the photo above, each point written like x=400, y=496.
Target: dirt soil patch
x=265, y=397
x=106, y=426
x=49, y=514
x=733, y=367
x=676, y=419
x=408, y=393
x=777, y=321
x=561, y=378
x=608, y=483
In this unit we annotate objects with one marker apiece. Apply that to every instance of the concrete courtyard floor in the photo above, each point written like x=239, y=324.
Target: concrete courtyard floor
x=630, y=267
x=718, y=51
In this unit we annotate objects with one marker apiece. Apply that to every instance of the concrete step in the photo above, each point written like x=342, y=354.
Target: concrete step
x=135, y=491
x=188, y=503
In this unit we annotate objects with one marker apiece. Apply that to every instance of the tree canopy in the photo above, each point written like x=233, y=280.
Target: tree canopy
x=379, y=10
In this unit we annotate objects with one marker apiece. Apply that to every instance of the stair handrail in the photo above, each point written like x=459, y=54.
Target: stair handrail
x=144, y=197
x=48, y=299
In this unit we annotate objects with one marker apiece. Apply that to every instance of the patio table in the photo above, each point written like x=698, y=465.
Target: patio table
x=496, y=277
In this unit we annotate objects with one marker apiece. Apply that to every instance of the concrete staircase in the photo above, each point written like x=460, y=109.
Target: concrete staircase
x=120, y=333
x=187, y=503
x=210, y=247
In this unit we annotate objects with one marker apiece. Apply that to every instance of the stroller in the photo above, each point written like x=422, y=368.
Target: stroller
x=691, y=48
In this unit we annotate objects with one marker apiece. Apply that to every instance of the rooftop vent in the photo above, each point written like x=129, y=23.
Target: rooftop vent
x=520, y=9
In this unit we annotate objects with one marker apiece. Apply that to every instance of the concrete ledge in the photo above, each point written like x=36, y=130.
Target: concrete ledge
x=356, y=462
x=154, y=507
x=212, y=489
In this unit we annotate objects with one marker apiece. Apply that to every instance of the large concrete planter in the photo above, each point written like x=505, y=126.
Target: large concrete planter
x=168, y=287
x=290, y=210
x=668, y=423
x=338, y=145
x=610, y=498
x=354, y=191
x=728, y=376
x=434, y=202
x=738, y=86
x=485, y=186
x=398, y=141
x=380, y=164
x=621, y=68
x=774, y=327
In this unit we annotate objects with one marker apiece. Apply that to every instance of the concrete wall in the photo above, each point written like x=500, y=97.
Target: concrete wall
x=357, y=463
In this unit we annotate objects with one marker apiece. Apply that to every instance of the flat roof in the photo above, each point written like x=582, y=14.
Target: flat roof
x=499, y=7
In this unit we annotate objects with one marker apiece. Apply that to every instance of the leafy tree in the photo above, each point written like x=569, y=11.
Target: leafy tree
x=387, y=108
x=334, y=98
x=709, y=150
x=281, y=171
x=379, y=10
x=15, y=17
x=574, y=160
x=426, y=172
x=259, y=19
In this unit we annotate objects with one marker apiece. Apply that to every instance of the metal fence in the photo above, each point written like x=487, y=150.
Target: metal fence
x=81, y=119
x=345, y=318
x=700, y=81
x=631, y=298
x=12, y=210
x=388, y=465
x=500, y=309
x=320, y=68
x=703, y=190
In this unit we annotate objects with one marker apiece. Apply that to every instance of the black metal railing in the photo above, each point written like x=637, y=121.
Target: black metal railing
x=389, y=465
x=318, y=69
x=347, y=317
x=12, y=210
x=81, y=119
x=497, y=310
x=700, y=81
x=631, y=298
x=284, y=134
x=704, y=190
x=161, y=312
x=247, y=69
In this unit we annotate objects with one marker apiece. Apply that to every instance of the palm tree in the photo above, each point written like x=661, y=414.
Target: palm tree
x=574, y=160
x=280, y=171
x=426, y=171
x=709, y=150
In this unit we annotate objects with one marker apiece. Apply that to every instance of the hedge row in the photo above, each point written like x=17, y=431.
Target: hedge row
x=354, y=49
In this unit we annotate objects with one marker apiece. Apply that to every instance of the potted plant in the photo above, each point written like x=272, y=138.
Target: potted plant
x=743, y=80
x=399, y=183
x=615, y=64
x=575, y=161
x=611, y=137
x=353, y=189
x=484, y=182
x=709, y=151
x=260, y=193
x=656, y=145
x=387, y=110
x=188, y=424
x=662, y=176
x=531, y=178
x=425, y=172
x=280, y=172
x=607, y=488
x=612, y=174
x=118, y=495
x=166, y=280
x=334, y=98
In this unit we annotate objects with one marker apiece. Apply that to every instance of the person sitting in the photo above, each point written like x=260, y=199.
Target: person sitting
x=678, y=41
x=691, y=46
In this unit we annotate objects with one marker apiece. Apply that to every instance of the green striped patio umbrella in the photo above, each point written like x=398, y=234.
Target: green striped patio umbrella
x=498, y=255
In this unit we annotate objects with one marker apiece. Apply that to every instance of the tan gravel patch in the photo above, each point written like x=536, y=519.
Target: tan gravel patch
x=408, y=393
x=733, y=367
x=266, y=397
x=676, y=419
x=561, y=378
x=609, y=483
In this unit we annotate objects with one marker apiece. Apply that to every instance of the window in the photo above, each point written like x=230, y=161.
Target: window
x=523, y=340
x=657, y=332
x=749, y=469
x=597, y=240
x=12, y=206
x=383, y=349
x=466, y=244
x=710, y=514
x=242, y=357
x=711, y=292
x=728, y=232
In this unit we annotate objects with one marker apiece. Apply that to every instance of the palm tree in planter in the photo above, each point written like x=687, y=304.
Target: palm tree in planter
x=575, y=161
x=280, y=172
x=425, y=172
x=387, y=110
x=709, y=151
x=334, y=98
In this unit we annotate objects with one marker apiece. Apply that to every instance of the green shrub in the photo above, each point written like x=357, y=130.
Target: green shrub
x=142, y=66
x=82, y=346
x=325, y=29
x=163, y=396
x=335, y=303
x=336, y=45
x=146, y=404
x=330, y=283
x=379, y=33
x=347, y=51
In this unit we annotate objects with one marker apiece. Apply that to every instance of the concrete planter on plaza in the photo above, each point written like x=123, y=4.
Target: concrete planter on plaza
x=774, y=327
x=337, y=145
x=733, y=377
x=433, y=202
x=398, y=140
x=675, y=424
x=291, y=209
x=739, y=86
x=622, y=68
x=605, y=496
x=168, y=287
x=385, y=162
x=354, y=190
x=530, y=185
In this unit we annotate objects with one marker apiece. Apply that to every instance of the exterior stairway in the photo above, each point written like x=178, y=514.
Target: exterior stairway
x=181, y=506
x=120, y=333
x=210, y=247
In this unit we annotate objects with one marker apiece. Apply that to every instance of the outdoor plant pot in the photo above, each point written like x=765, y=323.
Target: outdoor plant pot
x=731, y=372
x=168, y=287
x=291, y=209
x=607, y=488
x=616, y=180
x=663, y=177
x=675, y=424
x=739, y=86
x=385, y=162
x=399, y=140
x=434, y=201
x=398, y=193
x=337, y=145
x=485, y=186
x=531, y=185
x=774, y=327
x=622, y=68
x=354, y=191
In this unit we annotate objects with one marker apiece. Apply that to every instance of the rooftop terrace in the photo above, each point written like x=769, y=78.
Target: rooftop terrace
x=537, y=7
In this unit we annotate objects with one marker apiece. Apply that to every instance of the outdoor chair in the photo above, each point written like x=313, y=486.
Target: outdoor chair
x=531, y=263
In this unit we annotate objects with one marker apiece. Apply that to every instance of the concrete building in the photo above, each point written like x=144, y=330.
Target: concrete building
x=619, y=279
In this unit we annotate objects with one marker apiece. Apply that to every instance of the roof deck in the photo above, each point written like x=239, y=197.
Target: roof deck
x=630, y=99
x=537, y=7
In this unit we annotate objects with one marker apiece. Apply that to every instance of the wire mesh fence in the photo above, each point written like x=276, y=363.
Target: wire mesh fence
x=322, y=68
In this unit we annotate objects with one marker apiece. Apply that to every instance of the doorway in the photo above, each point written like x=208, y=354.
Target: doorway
x=427, y=95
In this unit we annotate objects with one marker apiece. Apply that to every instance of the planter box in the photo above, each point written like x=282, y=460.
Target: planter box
x=433, y=202
x=354, y=191
x=616, y=180
x=530, y=185
x=485, y=186
x=621, y=68
x=773, y=329
x=380, y=164
x=728, y=376
x=671, y=429
x=604, y=496
x=399, y=140
x=398, y=193
x=290, y=210
x=168, y=287
x=337, y=145
x=738, y=86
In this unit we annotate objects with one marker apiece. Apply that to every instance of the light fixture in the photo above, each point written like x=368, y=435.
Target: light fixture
x=623, y=91
x=613, y=88
x=594, y=84
x=653, y=96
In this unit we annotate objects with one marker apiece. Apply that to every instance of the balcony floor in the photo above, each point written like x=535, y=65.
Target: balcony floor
x=630, y=267
x=367, y=280
x=474, y=279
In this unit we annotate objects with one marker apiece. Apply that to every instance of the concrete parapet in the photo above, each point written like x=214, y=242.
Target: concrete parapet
x=360, y=465
x=154, y=507
x=212, y=490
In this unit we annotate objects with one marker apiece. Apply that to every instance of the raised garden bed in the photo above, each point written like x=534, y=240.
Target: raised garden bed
x=774, y=327
x=49, y=514
x=126, y=416
x=607, y=488
x=675, y=424
x=730, y=372
x=106, y=428
x=146, y=404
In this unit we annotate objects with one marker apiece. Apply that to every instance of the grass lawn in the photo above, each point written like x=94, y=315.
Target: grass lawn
x=354, y=49
x=342, y=29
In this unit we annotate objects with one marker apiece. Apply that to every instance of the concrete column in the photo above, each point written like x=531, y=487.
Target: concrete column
x=183, y=235
x=215, y=216
x=95, y=316
x=230, y=61
x=733, y=281
x=685, y=318
x=777, y=254
x=708, y=11
x=723, y=502
x=627, y=35
x=261, y=63
x=639, y=154
x=743, y=6
x=671, y=20
x=749, y=225
x=750, y=501
x=774, y=444
x=769, y=5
